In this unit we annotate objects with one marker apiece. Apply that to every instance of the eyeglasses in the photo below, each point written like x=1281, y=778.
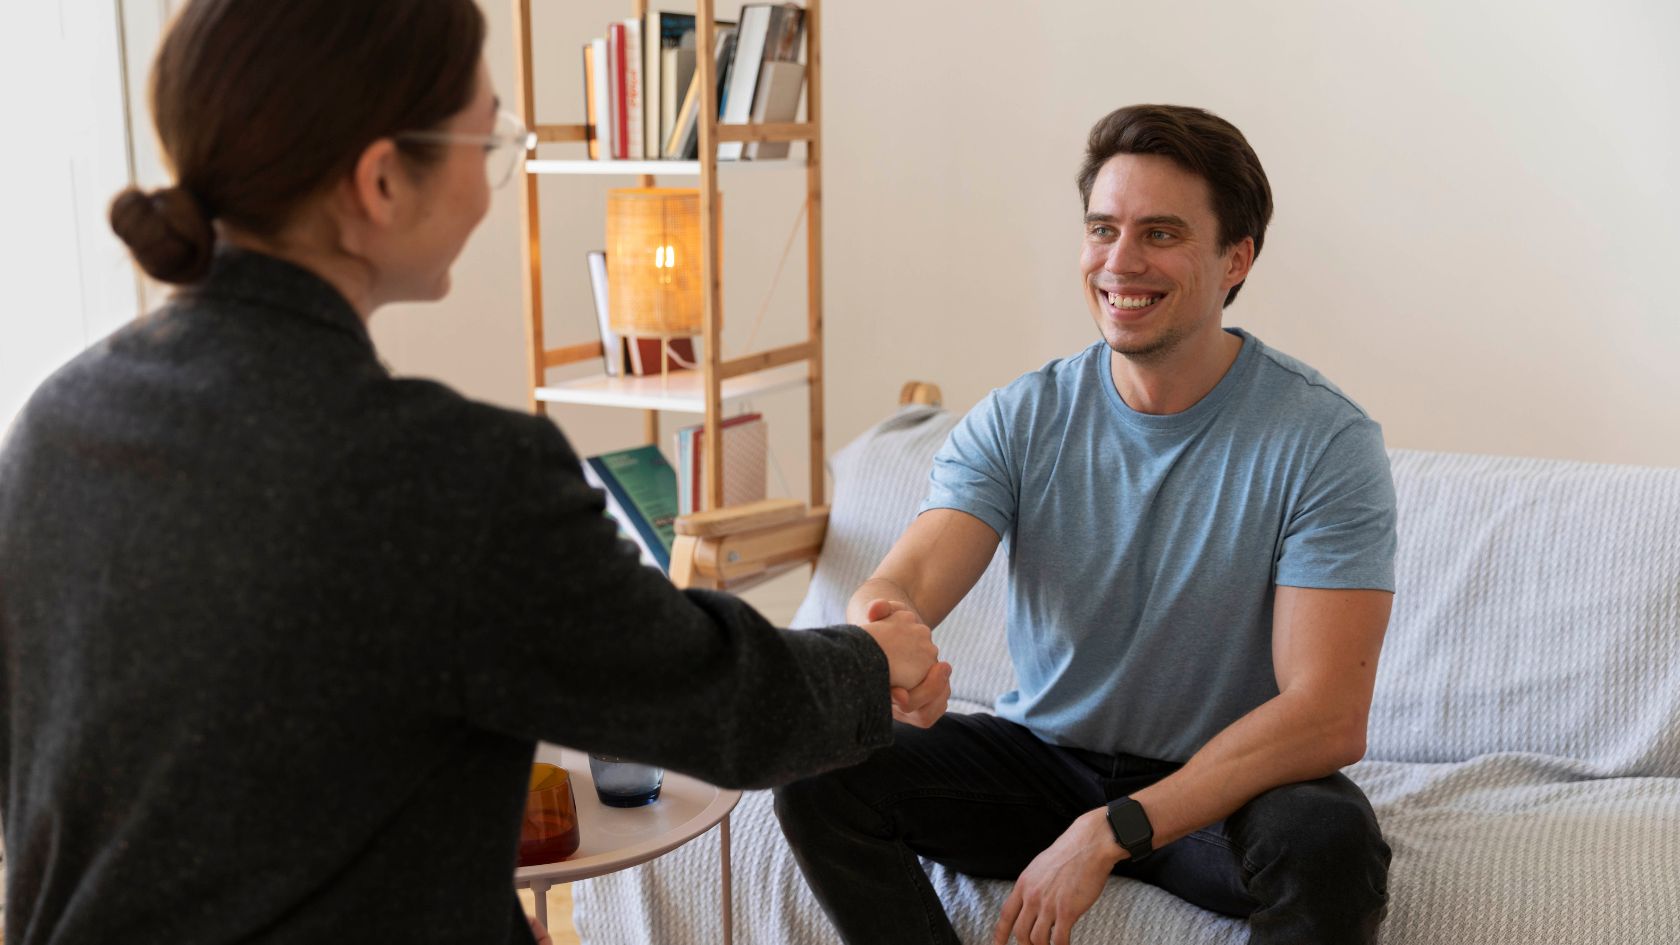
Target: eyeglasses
x=504, y=146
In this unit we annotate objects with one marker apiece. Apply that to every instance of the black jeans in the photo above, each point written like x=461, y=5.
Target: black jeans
x=1303, y=862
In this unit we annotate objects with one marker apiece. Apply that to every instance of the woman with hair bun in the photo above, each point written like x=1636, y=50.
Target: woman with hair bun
x=280, y=630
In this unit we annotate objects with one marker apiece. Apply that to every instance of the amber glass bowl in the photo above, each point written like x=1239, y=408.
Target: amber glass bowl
x=550, y=830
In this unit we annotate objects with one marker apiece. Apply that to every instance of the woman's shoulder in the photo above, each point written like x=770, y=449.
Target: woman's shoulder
x=457, y=424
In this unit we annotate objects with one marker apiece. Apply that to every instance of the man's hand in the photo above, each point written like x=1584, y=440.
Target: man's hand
x=1060, y=884
x=538, y=932
x=907, y=642
x=923, y=704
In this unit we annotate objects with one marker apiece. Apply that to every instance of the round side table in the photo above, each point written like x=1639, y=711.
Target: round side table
x=614, y=838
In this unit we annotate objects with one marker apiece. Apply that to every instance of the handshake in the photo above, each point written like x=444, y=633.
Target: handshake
x=921, y=684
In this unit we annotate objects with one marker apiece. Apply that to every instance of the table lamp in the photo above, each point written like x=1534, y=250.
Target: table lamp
x=653, y=264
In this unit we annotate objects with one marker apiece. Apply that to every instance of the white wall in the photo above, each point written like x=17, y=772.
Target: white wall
x=66, y=278
x=1476, y=208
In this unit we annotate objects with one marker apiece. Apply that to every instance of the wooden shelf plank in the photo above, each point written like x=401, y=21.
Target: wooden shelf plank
x=679, y=392
x=765, y=360
x=768, y=131
x=549, y=134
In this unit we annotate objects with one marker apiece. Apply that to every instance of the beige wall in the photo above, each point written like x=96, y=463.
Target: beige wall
x=1477, y=210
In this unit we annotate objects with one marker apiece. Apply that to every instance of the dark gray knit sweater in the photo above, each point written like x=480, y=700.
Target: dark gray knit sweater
x=281, y=631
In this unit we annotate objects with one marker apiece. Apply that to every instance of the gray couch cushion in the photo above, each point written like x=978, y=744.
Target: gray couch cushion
x=1527, y=850
x=1538, y=611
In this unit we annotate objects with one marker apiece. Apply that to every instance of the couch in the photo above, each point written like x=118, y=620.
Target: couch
x=1524, y=747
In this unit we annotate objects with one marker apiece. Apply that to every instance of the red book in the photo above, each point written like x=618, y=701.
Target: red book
x=621, y=139
x=644, y=355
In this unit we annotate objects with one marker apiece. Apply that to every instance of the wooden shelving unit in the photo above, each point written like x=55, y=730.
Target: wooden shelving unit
x=718, y=381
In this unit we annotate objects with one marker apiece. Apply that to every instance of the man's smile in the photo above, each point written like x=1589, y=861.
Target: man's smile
x=1131, y=303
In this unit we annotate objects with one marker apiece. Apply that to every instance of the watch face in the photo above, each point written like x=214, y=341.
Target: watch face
x=1131, y=824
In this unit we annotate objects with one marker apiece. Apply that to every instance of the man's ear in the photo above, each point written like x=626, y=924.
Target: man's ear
x=1242, y=260
x=375, y=182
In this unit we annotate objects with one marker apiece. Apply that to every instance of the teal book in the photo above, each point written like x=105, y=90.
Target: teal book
x=641, y=490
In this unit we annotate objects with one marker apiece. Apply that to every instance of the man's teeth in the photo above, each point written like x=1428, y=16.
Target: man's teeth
x=1132, y=301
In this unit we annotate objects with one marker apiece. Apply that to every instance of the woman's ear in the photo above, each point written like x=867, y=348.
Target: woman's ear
x=375, y=183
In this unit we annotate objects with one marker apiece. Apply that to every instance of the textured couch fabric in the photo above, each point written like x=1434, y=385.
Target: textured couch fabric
x=1524, y=749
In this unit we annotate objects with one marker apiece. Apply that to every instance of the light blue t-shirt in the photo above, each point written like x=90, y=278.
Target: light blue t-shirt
x=1144, y=549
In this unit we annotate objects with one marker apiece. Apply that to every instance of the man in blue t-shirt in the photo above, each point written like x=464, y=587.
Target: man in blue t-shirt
x=1200, y=533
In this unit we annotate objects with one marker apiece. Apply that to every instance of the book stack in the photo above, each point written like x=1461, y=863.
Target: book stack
x=746, y=450
x=641, y=83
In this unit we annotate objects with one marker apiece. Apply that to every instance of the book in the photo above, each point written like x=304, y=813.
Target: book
x=643, y=355
x=681, y=74
x=769, y=32
x=641, y=494
x=612, y=343
x=591, y=121
x=746, y=450
x=776, y=100
x=633, y=90
x=662, y=35
x=683, y=143
x=668, y=101
x=601, y=106
x=615, y=88
x=787, y=28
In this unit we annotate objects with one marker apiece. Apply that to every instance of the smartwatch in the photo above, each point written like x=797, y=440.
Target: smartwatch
x=1131, y=827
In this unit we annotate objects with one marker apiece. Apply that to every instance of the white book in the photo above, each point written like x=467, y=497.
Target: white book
x=612, y=344
x=668, y=101
x=777, y=100
x=603, y=99
x=743, y=74
x=685, y=74
x=633, y=91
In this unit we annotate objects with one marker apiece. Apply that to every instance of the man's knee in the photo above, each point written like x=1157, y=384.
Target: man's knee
x=820, y=803
x=1327, y=822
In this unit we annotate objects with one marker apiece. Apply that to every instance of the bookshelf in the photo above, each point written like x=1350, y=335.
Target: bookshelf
x=718, y=381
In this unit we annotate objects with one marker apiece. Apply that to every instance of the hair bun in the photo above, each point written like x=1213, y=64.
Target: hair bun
x=167, y=231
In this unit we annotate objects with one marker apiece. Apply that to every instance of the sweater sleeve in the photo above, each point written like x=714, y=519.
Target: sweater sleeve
x=568, y=638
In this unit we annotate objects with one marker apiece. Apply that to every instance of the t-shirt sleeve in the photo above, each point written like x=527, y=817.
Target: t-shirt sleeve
x=1340, y=533
x=974, y=471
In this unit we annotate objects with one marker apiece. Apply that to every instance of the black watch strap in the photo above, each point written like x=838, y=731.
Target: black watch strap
x=1131, y=827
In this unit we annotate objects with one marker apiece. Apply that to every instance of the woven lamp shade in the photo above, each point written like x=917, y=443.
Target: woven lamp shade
x=653, y=262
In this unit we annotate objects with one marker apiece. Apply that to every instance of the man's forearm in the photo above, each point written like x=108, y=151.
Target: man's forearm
x=877, y=588
x=1286, y=740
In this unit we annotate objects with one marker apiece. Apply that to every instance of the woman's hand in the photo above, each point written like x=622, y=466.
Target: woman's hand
x=907, y=642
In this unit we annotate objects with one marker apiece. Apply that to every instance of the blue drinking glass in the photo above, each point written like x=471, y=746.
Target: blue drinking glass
x=620, y=782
